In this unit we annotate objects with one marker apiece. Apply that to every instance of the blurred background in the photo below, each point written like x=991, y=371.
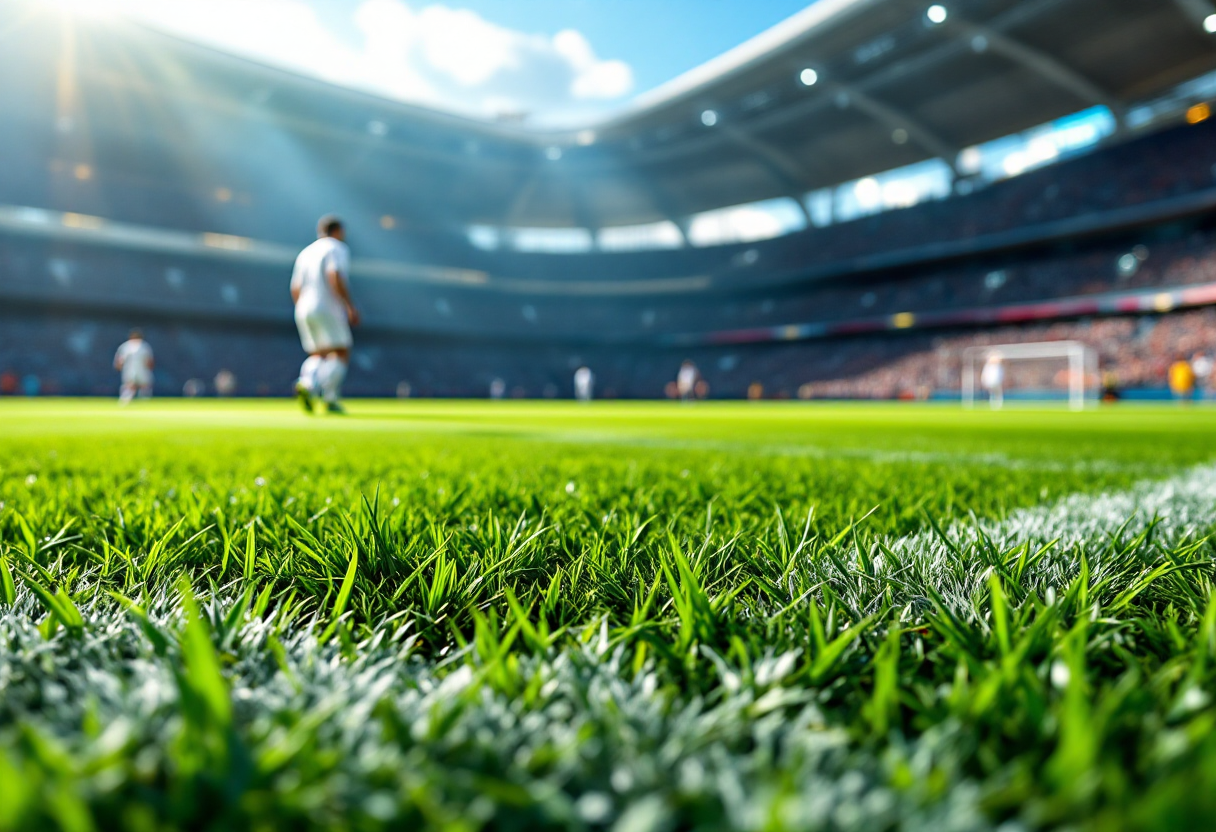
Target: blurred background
x=837, y=200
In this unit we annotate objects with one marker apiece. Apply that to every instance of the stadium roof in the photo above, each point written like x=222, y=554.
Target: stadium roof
x=895, y=82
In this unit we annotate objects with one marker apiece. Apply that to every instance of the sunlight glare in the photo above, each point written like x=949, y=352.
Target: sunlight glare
x=88, y=8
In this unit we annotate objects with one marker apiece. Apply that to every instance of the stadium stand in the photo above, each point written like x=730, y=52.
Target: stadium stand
x=188, y=230
x=1137, y=351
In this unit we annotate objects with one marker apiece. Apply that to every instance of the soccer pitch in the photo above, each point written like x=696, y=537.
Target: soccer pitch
x=634, y=617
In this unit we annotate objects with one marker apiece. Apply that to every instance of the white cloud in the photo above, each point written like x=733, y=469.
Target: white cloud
x=593, y=78
x=466, y=47
x=605, y=80
x=435, y=54
x=571, y=45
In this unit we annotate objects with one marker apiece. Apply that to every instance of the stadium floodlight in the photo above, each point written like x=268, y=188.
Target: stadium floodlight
x=1030, y=367
x=709, y=118
x=937, y=14
x=808, y=77
x=1209, y=24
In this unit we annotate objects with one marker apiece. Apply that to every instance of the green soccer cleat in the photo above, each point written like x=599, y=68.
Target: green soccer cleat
x=304, y=397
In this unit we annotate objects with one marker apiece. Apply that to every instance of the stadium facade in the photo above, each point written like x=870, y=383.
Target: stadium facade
x=152, y=181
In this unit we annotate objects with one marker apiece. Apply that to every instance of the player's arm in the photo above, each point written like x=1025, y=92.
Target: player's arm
x=118, y=360
x=341, y=290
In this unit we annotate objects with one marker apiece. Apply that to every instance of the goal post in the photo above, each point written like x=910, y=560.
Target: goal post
x=1079, y=376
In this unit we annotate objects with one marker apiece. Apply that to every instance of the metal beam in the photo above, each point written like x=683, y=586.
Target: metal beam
x=896, y=119
x=523, y=195
x=663, y=203
x=780, y=166
x=1038, y=62
x=584, y=217
x=650, y=191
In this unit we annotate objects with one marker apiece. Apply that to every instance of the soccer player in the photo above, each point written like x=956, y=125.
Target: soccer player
x=686, y=381
x=134, y=360
x=992, y=379
x=324, y=315
x=1182, y=380
x=584, y=383
x=1202, y=365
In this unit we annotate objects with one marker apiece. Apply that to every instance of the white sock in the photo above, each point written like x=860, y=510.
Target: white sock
x=331, y=376
x=309, y=371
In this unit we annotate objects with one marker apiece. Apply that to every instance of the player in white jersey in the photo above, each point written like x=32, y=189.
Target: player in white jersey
x=584, y=384
x=324, y=315
x=134, y=360
x=992, y=379
x=686, y=381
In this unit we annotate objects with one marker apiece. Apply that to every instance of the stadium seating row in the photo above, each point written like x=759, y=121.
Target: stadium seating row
x=156, y=285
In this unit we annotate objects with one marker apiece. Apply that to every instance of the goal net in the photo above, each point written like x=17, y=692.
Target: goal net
x=1044, y=371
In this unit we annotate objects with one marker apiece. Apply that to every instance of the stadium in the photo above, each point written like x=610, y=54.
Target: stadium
x=927, y=543
x=492, y=251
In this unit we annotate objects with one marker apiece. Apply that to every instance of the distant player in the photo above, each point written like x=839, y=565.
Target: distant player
x=324, y=315
x=686, y=381
x=584, y=384
x=1202, y=366
x=1182, y=380
x=134, y=360
x=992, y=379
x=225, y=383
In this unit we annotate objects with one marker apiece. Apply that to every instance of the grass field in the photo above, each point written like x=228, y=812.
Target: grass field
x=624, y=616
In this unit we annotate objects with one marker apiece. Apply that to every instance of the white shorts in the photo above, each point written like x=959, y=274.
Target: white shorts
x=323, y=329
x=137, y=379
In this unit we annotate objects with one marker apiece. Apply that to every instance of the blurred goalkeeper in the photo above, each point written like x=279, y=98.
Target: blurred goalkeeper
x=324, y=316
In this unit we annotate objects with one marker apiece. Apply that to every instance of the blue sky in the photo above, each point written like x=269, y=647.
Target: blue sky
x=659, y=38
x=559, y=61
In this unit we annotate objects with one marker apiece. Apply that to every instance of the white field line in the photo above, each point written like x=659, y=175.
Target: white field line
x=1179, y=508
x=1181, y=505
